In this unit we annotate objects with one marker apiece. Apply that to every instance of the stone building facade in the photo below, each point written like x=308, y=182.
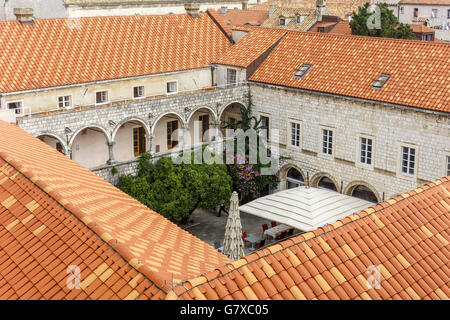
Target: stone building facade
x=389, y=127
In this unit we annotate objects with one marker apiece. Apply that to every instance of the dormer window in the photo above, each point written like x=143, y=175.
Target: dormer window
x=299, y=19
x=379, y=83
x=302, y=71
x=282, y=21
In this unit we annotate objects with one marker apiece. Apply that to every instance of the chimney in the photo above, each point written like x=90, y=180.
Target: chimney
x=223, y=11
x=272, y=8
x=192, y=9
x=24, y=15
x=245, y=5
x=320, y=8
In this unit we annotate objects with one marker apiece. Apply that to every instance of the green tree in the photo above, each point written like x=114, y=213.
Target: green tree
x=175, y=191
x=363, y=23
x=247, y=177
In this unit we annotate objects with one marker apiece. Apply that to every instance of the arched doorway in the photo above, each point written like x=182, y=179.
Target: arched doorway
x=53, y=142
x=167, y=133
x=362, y=192
x=326, y=183
x=294, y=179
x=130, y=140
x=89, y=147
x=231, y=114
x=201, y=125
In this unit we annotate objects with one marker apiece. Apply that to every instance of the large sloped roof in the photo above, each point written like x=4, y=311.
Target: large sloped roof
x=349, y=66
x=305, y=208
x=169, y=252
x=398, y=249
x=42, y=242
x=250, y=47
x=56, y=52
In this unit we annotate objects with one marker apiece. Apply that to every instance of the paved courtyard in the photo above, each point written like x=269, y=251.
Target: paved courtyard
x=208, y=227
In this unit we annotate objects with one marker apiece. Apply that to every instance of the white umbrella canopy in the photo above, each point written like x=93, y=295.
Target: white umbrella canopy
x=233, y=245
x=305, y=208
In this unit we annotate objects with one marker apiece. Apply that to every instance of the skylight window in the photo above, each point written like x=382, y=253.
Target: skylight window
x=379, y=83
x=302, y=71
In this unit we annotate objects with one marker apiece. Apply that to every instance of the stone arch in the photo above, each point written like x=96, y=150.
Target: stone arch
x=319, y=176
x=350, y=188
x=54, y=136
x=130, y=119
x=219, y=116
x=213, y=112
x=96, y=126
x=155, y=122
x=283, y=174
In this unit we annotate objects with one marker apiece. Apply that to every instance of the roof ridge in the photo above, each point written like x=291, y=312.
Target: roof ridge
x=92, y=225
x=303, y=238
x=321, y=34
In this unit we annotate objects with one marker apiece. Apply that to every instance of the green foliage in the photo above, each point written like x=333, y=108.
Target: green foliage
x=390, y=27
x=114, y=171
x=247, y=177
x=175, y=191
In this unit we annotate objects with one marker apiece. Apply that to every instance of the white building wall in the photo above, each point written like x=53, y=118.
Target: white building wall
x=390, y=128
x=424, y=11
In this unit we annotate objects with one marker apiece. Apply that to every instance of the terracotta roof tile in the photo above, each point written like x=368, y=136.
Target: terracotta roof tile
x=346, y=52
x=30, y=61
x=415, y=271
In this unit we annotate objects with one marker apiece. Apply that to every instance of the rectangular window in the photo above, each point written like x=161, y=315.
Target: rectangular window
x=172, y=87
x=265, y=124
x=138, y=141
x=366, y=151
x=17, y=106
x=101, y=97
x=448, y=165
x=327, y=141
x=402, y=10
x=379, y=83
x=416, y=12
x=295, y=134
x=231, y=77
x=204, y=126
x=448, y=14
x=64, y=102
x=171, y=127
x=408, y=160
x=434, y=13
x=302, y=71
x=138, y=92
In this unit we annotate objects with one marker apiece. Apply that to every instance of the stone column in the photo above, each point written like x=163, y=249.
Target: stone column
x=111, y=152
x=149, y=144
x=186, y=140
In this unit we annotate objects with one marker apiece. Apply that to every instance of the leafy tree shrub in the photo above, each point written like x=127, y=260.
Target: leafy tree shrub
x=175, y=191
x=390, y=27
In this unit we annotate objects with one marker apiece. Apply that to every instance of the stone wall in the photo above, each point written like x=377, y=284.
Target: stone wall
x=65, y=125
x=389, y=127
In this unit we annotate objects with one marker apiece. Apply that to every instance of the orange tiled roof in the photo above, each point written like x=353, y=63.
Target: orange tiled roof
x=405, y=239
x=421, y=28
x=169, y=252
x=338, y=8
x=250, y=47
x=235, y=17
x=349, y=65
x=342, y=27
x=442, y=2
x=41, y=237
x=49, y=53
